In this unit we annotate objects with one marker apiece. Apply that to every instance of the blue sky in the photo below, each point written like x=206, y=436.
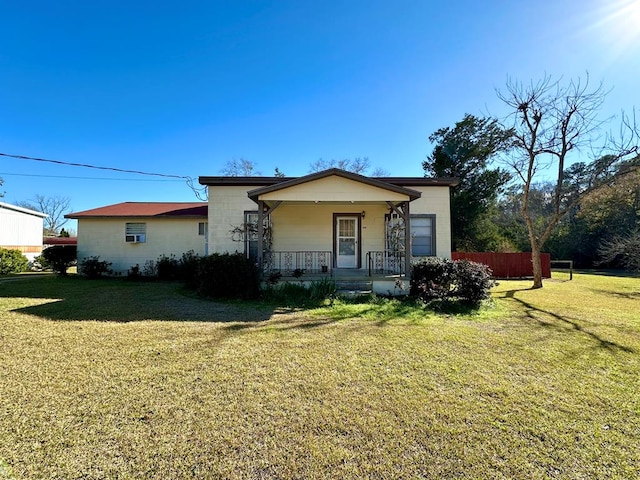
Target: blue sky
x=183, y=87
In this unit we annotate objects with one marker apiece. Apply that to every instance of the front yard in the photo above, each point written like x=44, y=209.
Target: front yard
x=111, y=379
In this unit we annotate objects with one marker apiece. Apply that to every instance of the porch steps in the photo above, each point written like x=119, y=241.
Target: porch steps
x=353, y=288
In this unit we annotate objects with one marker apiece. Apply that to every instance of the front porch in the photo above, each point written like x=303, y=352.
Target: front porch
x=383, y=272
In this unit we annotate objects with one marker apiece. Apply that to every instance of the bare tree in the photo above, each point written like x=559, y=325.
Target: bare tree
x=624, y=250
x=54, y=207
x=358, y=165
x=240, y=167
x=552, y=124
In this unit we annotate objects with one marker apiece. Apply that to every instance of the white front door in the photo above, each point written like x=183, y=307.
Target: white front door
x=347, y=242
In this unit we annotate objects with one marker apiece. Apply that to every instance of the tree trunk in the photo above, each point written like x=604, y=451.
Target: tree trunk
x=537, y=265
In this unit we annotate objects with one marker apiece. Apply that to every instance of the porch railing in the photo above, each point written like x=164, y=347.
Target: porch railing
x=307, y=261
x=385, y=262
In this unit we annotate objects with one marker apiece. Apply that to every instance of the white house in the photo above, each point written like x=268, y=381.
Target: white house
x=21, y=229
x=331, y=222
x=131, y=233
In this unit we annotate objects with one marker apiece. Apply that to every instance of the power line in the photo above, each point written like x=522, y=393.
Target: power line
x=200, y=193
x=88, y=178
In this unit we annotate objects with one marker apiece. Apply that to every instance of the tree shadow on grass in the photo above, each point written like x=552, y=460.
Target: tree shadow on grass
x=118, y=300
x=564, y=324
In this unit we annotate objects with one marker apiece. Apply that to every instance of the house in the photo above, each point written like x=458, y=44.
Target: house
x=332, y=222
x=21, y=229
x=132, y=233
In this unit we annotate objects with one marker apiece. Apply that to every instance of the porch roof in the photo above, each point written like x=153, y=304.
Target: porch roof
x=333, y=185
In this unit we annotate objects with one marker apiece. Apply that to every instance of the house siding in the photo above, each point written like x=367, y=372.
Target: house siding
x=104, y=237
x=21, y=231
x=435, y=200
x=309, y=226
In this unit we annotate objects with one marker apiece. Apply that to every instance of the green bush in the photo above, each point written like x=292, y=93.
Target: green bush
x=12, y=261
x=224, y=275
x=439, y=281
x=167, y=267
x=188, y=272
x=93, y=267
x=473, y=282
x=60, y=257
x=432, y=279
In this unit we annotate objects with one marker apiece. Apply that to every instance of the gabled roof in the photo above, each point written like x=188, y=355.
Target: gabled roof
x=28, y=211
x=220, y=181
x=146, y=209
x=254, y=194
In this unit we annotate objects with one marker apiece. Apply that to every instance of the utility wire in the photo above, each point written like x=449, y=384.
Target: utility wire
x=88, y=178
x=200, y=193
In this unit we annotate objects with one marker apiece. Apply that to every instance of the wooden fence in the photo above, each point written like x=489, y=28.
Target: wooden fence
x=507, y=265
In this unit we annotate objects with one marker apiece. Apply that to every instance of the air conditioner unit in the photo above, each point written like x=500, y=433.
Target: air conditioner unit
x=137, y=238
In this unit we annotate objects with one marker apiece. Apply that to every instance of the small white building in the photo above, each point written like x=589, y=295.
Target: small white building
x=132, y=233
x=21, y=229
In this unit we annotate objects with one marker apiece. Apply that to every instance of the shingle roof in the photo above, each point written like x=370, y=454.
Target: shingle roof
x=145, y=209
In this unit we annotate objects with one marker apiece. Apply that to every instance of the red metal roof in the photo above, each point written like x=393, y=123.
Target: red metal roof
x=146, y=209
x=60, y=241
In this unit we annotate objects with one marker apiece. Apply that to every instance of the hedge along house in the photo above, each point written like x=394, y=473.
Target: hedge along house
x=21, y=229
x=133, y=233
x=332, y=223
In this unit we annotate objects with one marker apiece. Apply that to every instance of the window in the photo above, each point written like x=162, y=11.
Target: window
x=135, y=232
x=202, y=228
x=422, y=235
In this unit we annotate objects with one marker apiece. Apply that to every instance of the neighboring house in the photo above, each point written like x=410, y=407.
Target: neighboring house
x=21, y=229
x=331, y=221
x=132, y=233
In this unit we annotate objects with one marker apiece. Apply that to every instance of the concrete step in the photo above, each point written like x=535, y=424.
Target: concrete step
x=354, y=287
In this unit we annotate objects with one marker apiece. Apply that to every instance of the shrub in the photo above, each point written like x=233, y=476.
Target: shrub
x=12, y=261
x=432, y=279
x=60, y=257
x=473, y=282
x=149, y=269
x=93, y=267
x=224, y=275
x=134, y=273
x=440, y=281
x=188, y=271
x=167, y=267
x=322, y=289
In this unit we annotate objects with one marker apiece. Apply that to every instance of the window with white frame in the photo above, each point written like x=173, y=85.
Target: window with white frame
x=423, y=235
x=135, y=232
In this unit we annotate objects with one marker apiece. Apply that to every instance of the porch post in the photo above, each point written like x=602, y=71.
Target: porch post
x=407, y=238
x=260, y=234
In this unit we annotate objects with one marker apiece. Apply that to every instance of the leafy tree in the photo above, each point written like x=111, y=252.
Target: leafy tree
x=278, y=173
x=1, y=183
x=551, y=123
x=240, y=167
x=64, y=233
x=464, y=152
x=54, y=207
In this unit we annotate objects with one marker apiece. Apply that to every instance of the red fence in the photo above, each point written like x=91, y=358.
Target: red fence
x=507, y=265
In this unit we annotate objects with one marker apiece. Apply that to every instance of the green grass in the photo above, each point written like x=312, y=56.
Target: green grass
x=111, y=379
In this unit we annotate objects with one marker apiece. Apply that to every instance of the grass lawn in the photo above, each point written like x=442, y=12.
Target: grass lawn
x=110, y=379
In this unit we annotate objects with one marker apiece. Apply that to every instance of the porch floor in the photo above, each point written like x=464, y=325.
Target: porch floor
x=346, y=275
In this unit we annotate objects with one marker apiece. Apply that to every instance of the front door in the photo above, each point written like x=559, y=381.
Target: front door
x=346, y=242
